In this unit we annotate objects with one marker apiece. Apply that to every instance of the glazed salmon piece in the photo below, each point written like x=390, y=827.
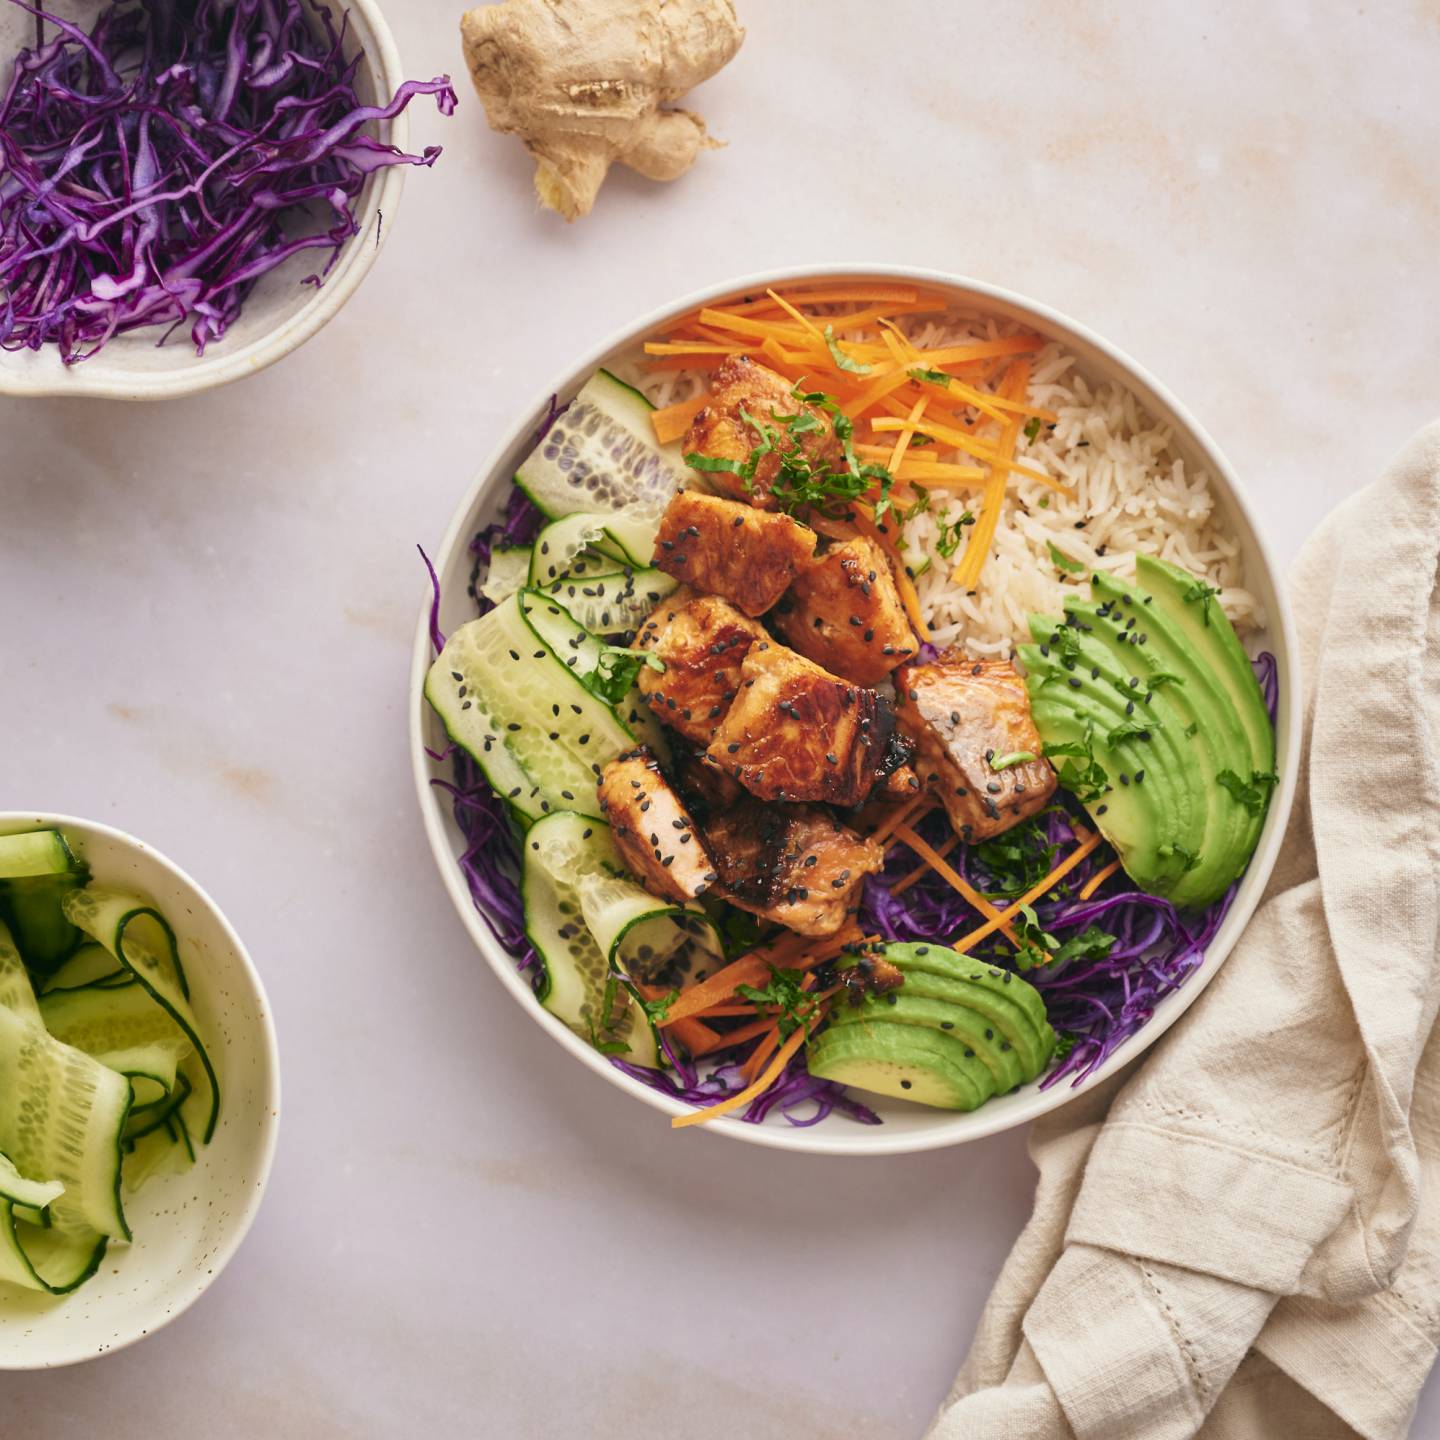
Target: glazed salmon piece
x=652, y=829
x=844, y=613
x=795, y=865
x=747, y=556
x=702, y=641
x=796, y=732
x=962, y=714
x=722, y=432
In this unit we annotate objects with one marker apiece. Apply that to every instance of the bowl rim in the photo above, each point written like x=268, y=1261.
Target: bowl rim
x=244, y=1213
x=352, y=265
x=958, y=1127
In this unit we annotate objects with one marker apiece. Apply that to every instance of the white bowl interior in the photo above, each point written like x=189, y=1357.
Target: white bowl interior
x=186, y=1226
x=281, y=312
x=906, y=1127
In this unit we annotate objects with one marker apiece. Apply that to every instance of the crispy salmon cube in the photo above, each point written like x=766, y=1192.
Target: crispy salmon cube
x=722, y=432
x=747, y=556
x=702, y=641
x=844, y=613
x=797, y=732
x=652, y=829
x=963, y=714
x=795, y=865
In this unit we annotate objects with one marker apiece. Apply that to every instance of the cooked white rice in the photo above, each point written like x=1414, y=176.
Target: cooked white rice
x=1126, y=492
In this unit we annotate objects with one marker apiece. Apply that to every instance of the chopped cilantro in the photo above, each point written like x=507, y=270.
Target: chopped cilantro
x=616, y=669
x=930, y=377
x=1032, y=428
x=1252, y=794
x=1204, y=594
x=948, y=541
x=608, y=1021
x=1015, y=757
x=659, y=1008
x=844, y=361
x=783, y=990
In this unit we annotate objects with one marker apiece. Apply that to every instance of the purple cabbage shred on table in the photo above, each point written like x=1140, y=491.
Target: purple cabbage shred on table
x=154, y=167
x=1097, y=1004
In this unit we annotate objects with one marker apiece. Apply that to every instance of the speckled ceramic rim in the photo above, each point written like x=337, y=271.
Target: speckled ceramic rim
x=838, y=1136
x=15, y=821
x=381, y=196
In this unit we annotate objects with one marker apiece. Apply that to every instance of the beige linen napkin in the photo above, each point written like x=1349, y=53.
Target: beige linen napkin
x=1241, y=1238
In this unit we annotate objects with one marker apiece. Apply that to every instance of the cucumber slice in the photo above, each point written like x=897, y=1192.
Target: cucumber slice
x=37, y=869
x=578, y=986
x=509, y=571
x=38, y=852
x=42, y=1078
x=601, y=454
x=125, y=1030
x=90, y=965
x=508, y=688
x=626, y=536
x=613, y=603
x=137, y=935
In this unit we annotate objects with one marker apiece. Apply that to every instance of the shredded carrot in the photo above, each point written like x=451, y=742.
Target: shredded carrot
x=946, y=871
x=758, y=1056
x=904, y=585
x=904, y=814
x=1000, y=455
x=967, y=572
x=759, y=1087
x=695, y=1035
x=920, y=871
x=902, y=442
x=840, y=294
x=729, y=1039
x=672, y=421
x=691, y=347
x=1098, y=879
x=1044, y=887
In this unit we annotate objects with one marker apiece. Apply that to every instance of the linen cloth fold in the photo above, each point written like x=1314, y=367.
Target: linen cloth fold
x=1240, y=1239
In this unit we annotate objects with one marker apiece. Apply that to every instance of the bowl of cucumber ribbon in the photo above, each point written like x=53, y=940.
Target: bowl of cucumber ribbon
x=139, y=1090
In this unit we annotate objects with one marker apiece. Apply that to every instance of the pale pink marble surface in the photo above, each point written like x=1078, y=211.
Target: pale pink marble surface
x=210, y=606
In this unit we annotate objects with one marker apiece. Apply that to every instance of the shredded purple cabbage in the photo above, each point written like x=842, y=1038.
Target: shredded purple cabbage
x=521, y=523
x=1097, y=1003
x=154, y=168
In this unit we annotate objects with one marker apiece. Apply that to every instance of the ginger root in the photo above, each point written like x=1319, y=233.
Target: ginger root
x=585, y=83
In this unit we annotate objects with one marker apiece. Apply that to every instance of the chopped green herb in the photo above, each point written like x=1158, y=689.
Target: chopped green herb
x=844, y=361
x=1092, y=943
x=1015, y=757
x=1129, y=730
x=659, y=1008
x=616, y=669
x=951, y=533
x=1044, y=502
x=783, y=990
x=1032, y=428
x=1179, y=852
x=918, y=439
x=1192, y=729
x=1071, y=567
x=930, y=377
x=1204, y=594
x=1252, y=794
x=608, y=1021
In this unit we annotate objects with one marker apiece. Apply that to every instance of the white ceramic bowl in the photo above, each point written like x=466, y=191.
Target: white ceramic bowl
x=906, y=1127
x=281, y=313
x=186, y=1226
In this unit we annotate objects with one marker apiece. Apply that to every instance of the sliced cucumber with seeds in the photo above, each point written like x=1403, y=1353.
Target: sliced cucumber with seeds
x=578, y=987
x=510, y=690
x=626, y=536
x=601, y=454
x=509, y=571
x=613, y=603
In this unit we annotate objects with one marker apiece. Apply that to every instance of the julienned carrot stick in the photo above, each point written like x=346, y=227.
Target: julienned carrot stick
x=1098, y=879
x=946, y=871
x=967, y=572
x=745, y=1096
x=761, y=1052
x=1044, y=887
x=901, y=886
x=672, y=421
x=731, y=1038
x=695, y=1035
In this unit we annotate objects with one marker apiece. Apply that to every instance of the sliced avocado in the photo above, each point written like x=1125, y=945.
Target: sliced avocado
x=1010, y=1021
x=1213, y=637
x=1165, y=704
x=1086, y=700
x=905, y=1061
x=958, y=1021
x=942, y=960
x=1218, y=740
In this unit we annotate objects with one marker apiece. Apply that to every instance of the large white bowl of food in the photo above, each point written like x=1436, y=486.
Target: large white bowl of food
x=856, y=709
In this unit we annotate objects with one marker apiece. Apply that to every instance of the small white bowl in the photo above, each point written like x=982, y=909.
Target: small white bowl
x=186, y=1226
x=281, y=313
x=906, y=1127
